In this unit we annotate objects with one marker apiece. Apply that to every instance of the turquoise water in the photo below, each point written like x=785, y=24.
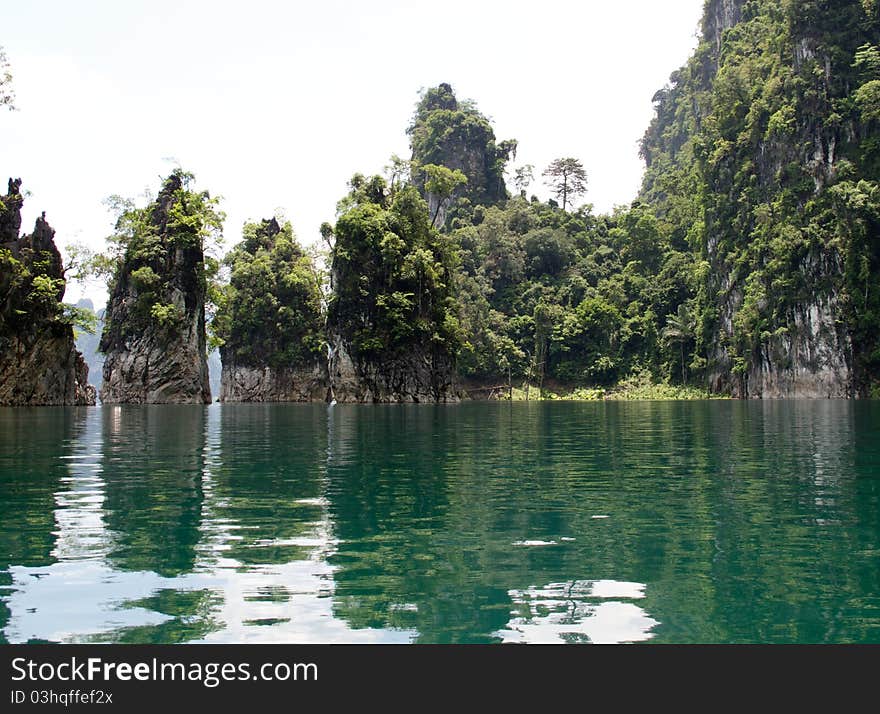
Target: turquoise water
x=480, y=522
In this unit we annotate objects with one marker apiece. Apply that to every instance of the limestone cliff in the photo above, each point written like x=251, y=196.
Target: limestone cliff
x=762, y=142
x=393, y=332
x=416, y=377
x=240, y=383
x=454, y=134
x=39, y=363
x=154, y=335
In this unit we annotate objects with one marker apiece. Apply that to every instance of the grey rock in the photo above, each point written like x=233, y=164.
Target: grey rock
x=150, y=368
x=43, y=368
x=417, y=377
x=810, y=359
x=145, y=362
x=252, y=384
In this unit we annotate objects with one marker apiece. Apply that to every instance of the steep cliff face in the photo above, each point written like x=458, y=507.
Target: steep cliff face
x=240, y=383
x=452, y=133
x=718, y=16
x=417, y=377
x=154, y=335
x=270, y=322
x=39, y=364
x=762, y=142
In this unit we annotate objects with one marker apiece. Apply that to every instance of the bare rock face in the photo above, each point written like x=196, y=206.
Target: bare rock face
x=154, y=369
x=253, y=384
x=43, y=370
x=720, y=15
x=812, y=359
x=39, y=363
x=415, y=378
x=147, y=361
x=10, y=214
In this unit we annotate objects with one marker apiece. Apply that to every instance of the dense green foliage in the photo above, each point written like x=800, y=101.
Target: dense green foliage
x=157, y=258
x=392, y=275
x=757, y=228
x=270, y=312
x=759, y=207
x=572, y=296
x=31, y=290
x=519, y=289
x=32, y=278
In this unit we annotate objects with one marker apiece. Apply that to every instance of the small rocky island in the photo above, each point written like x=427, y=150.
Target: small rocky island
x=154, y=335
x=269, y=322
x=39, y=363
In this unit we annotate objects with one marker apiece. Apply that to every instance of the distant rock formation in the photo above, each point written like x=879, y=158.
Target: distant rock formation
x=39, y=363
x=87, y=343
x=452, y=133
x=154, y=335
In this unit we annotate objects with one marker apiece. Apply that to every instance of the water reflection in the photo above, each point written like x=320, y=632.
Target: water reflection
x=573, y=612
x=153, y=464
x=33, y=444
x=707, y=522
x=267, y=531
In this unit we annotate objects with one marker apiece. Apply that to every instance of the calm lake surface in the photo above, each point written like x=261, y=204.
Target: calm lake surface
x=481, y=522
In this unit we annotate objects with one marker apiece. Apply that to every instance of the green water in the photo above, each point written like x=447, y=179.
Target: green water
x=482, y=522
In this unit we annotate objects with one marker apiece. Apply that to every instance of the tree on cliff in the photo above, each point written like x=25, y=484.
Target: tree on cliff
x=270, y=312
x=763, y=163
x=39, y=363
x=392, y=275
x=440, y=185
x=567, y=179
x=7, y=95
x=144, y=244
x=523, y=177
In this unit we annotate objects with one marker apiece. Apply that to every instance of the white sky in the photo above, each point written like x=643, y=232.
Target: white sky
x=274, y=105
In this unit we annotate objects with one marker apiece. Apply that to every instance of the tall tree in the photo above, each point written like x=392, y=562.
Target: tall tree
x=522, y=177
x=680, y=328
x=567, y=179
x=7, y=95
x=440, y=185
